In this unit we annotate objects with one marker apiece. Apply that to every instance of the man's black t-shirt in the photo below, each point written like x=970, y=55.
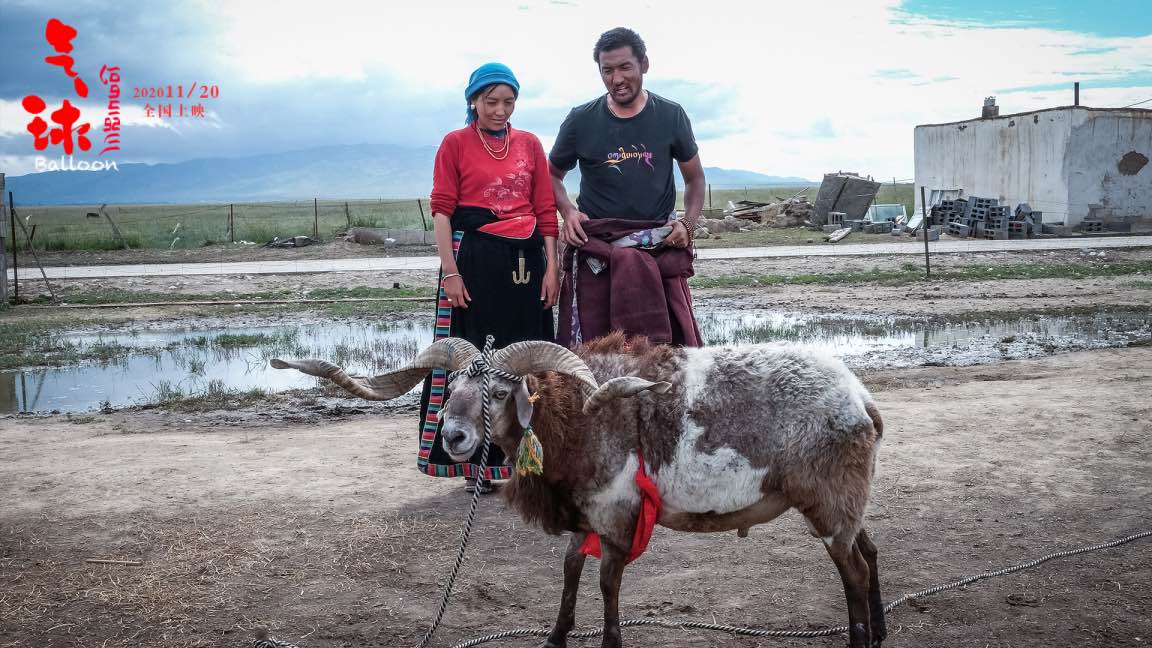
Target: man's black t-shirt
x=625, y=164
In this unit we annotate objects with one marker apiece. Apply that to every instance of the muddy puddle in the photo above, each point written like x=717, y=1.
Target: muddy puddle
x=152, y=365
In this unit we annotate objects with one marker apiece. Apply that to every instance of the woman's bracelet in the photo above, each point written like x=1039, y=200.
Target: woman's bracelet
x=450, y=275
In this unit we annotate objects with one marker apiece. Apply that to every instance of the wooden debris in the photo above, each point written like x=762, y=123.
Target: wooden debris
x=838, y=235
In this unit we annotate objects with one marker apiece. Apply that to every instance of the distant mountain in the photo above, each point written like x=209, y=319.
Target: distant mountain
x=331, y=172
x=729, y=178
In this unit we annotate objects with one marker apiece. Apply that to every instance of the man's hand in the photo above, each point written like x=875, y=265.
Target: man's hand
x=679, y=237
x=573, y=233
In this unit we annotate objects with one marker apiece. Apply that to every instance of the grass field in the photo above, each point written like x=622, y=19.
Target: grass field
x=67, y=228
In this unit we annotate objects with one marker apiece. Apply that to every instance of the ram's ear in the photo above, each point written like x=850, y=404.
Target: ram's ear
x=623, y=387
x=524, y=403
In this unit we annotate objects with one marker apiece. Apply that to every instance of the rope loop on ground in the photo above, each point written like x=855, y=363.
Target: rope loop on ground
x=809, y=634
x=482, y=365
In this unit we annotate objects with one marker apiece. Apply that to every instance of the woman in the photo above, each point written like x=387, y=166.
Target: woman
x=495, y=222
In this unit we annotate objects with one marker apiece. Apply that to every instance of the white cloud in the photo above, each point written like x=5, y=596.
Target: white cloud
x=786, y=88
x=784, y=76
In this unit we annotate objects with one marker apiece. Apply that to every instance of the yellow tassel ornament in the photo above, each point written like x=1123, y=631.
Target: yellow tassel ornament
x=530, y=456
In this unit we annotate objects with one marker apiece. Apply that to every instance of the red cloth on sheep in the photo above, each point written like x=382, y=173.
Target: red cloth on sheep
x=649, y=513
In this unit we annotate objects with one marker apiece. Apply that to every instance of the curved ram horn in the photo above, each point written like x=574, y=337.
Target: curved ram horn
x=622, y=387
x=523, y=358
x=450, y=354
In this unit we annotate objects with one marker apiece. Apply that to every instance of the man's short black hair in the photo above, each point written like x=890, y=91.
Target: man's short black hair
x=617, y=38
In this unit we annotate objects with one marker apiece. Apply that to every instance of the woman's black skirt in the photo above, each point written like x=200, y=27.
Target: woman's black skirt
x=503, y=277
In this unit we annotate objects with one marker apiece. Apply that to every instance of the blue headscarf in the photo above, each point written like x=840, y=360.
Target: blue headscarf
x=484, y=76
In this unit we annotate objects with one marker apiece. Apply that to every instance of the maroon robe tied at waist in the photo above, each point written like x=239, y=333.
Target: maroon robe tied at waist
x=638, y=291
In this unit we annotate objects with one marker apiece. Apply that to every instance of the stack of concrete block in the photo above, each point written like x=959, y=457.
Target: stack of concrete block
x=944, y=213
x=978, y=207
x=1092, y=226
x=986, y=218
x=996, y=220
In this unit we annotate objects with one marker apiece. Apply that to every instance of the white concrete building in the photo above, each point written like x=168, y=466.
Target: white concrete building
x=1072, y=163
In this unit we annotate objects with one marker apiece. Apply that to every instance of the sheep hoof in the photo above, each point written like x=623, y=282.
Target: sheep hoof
x=742, y=533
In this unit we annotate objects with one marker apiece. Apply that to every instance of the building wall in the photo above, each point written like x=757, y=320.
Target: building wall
x=1102, y=183
x=1063, y=162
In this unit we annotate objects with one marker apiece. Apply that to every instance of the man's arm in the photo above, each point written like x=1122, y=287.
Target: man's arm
x=571, y=233
x=694, y=187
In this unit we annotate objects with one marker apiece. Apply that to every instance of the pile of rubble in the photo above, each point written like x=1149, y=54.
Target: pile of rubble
x=987, y=218
x=746, y=215
x=785, y=212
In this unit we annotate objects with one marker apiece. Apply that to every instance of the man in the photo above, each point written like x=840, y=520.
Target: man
x=625, y=142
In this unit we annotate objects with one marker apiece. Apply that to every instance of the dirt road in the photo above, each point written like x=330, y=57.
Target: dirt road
x=325, y=532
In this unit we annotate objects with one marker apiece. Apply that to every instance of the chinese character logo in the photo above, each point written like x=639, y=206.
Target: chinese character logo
x=66, y=133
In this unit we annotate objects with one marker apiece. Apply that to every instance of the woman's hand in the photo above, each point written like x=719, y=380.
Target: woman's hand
x=550, y=290
x=456, y=291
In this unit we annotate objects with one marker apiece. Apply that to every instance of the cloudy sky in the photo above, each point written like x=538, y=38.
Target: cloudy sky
x=783, y=88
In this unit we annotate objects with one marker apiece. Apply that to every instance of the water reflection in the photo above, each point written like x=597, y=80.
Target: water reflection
x=158, y=362
x=188, y=360
x=852, y=336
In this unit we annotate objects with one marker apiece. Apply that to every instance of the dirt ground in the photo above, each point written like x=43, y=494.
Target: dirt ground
x=340, y=248
x=322, y=529
x=311, y=519
x=934, y=298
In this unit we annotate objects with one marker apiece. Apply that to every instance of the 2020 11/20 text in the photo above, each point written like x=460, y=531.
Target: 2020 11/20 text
x=206, y=91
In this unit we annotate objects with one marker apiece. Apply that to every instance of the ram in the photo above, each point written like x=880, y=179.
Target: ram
x=728, y=437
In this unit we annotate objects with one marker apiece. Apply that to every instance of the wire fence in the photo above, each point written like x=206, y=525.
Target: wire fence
x=114, y=227
x=63, y=228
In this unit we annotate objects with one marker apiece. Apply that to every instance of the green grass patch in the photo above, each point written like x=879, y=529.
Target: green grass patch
x=212, y=396
x=35, y=343
x=910, y=274
x=367, y=309
x=133, y=297
x=790, y=236
x=1141, y=283
x=367, y=292
x=44, y=343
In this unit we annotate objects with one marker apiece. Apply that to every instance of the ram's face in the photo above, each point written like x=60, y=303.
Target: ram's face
x=462, y=432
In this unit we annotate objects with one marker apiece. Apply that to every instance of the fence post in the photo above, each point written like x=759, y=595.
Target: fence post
x=115, y=230
x=36, y=257
x=15, y=262
x=316, y=218
x=231, y=224
x=423, y=223
x=3, y=248
x=925, y=227
x=347, y=214
x=709, y=195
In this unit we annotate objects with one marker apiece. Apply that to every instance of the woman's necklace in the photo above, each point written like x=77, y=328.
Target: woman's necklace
x=497, y=154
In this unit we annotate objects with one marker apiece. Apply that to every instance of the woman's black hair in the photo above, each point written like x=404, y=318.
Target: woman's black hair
x=484, y=91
